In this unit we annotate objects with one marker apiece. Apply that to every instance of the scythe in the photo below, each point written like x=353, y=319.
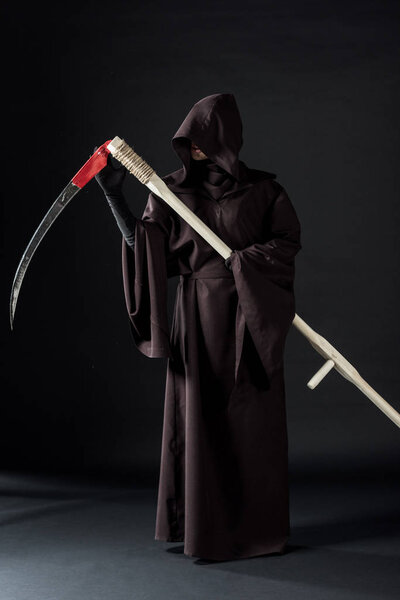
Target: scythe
x=146, y=175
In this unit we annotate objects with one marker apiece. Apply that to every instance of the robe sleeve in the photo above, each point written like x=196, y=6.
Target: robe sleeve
x=264, y=276
x=145, y=271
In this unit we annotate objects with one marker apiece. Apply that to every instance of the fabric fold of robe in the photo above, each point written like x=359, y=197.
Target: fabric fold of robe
x=264, y=277
x=145, y=287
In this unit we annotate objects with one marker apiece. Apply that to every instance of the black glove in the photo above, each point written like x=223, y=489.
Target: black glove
x=228, y=263
x=110, y=179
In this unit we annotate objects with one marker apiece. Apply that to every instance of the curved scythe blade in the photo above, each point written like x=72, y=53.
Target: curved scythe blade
x=66, y=196
x=92, y=166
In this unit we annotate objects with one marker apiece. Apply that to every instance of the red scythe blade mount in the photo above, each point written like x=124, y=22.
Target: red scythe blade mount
x=96, y=163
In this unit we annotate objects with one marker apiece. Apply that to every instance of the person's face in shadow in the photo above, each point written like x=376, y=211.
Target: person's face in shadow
x=196, y=153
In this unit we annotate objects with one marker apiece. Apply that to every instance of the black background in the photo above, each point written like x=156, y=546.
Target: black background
x=317, y=85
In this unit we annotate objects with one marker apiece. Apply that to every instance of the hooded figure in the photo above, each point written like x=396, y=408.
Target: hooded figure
x=223, y=485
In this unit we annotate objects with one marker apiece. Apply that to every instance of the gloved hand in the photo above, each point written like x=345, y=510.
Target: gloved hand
x=228, y=263
x=111, y=178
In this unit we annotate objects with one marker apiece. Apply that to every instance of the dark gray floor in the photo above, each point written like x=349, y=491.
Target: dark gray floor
x=64, y=538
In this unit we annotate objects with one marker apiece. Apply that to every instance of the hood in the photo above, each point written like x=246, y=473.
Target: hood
x=215, y=125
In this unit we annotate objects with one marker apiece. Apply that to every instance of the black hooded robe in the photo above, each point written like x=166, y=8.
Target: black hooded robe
x=223, y=485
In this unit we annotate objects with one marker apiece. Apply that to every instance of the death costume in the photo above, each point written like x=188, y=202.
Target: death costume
x=223, y=486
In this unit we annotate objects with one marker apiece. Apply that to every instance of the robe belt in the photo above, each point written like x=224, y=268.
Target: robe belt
x=214, y=273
